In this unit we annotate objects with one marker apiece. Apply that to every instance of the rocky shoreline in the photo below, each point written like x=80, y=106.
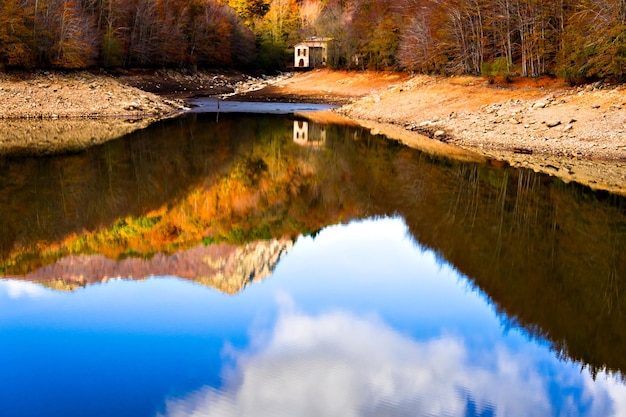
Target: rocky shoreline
x=46, y=113
x=54, y=95
x=575, y=133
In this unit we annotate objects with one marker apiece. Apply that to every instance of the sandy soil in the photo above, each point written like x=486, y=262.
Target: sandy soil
x=576, y=133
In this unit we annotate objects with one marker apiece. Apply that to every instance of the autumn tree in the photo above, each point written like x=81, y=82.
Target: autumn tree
x=273, y=33
x=281, y=20
x=16, y=40
x=250, y=11
x=112, y=50
x=83, y=33
x=173, y=31
x=142, y=38
x=309, y=12
x=595, y=41
x=211, y=34
x=578, y=39
x=331, y=23
x=476, y=36
x=76, y=40
x=242, y=40
x=420, y=45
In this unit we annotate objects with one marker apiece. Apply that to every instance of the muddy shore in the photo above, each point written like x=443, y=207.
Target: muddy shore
x=575, y=133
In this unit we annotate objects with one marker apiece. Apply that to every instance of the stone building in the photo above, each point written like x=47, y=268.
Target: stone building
x=311, y=53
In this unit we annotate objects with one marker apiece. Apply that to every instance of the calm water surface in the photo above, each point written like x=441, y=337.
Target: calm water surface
x=266, y=266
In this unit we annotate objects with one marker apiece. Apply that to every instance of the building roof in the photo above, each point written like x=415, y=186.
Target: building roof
x=314, y=41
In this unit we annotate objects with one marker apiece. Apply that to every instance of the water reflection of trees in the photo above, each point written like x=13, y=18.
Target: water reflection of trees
x=46, y=200
x=548, y=254
x=177, y=184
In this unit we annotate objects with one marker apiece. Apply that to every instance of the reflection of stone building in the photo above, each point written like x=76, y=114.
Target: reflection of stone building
x=308, y=134
x=311, y=53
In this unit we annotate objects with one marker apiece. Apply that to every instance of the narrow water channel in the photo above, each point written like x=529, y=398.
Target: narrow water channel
x=262, y=265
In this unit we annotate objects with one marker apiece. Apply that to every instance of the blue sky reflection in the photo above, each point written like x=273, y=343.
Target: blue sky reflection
x=340, y=364
x=356, y=322
x=370, y=324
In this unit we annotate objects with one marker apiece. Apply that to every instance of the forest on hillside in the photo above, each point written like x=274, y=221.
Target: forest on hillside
x=575, y=39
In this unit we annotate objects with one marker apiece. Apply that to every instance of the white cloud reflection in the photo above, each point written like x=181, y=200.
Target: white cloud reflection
x=22, y=289
x=337, y=364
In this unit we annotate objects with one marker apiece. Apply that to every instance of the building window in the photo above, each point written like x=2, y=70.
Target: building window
x=304, y=52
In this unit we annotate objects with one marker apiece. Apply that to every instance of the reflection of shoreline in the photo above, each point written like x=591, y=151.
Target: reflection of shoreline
x=49, y=137
x=227, y=268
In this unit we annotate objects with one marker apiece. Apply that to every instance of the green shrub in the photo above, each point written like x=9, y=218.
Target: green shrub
x=500, y=67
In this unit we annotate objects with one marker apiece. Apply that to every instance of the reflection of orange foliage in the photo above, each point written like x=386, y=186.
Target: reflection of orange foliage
x=288, y=190
x=122, y=201
x=245, y=201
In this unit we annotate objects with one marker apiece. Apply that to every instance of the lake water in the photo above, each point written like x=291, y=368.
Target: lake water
x=261, y=265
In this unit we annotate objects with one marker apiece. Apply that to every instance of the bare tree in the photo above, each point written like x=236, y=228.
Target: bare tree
x=76, y=45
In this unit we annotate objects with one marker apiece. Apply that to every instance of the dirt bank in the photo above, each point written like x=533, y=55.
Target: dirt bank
x=45, y=112
x=576, y=133
x=53, y=95
x=321, y=86
x=182, y=85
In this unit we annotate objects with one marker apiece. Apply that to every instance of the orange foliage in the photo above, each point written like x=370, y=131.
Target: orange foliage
x=71, y=34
